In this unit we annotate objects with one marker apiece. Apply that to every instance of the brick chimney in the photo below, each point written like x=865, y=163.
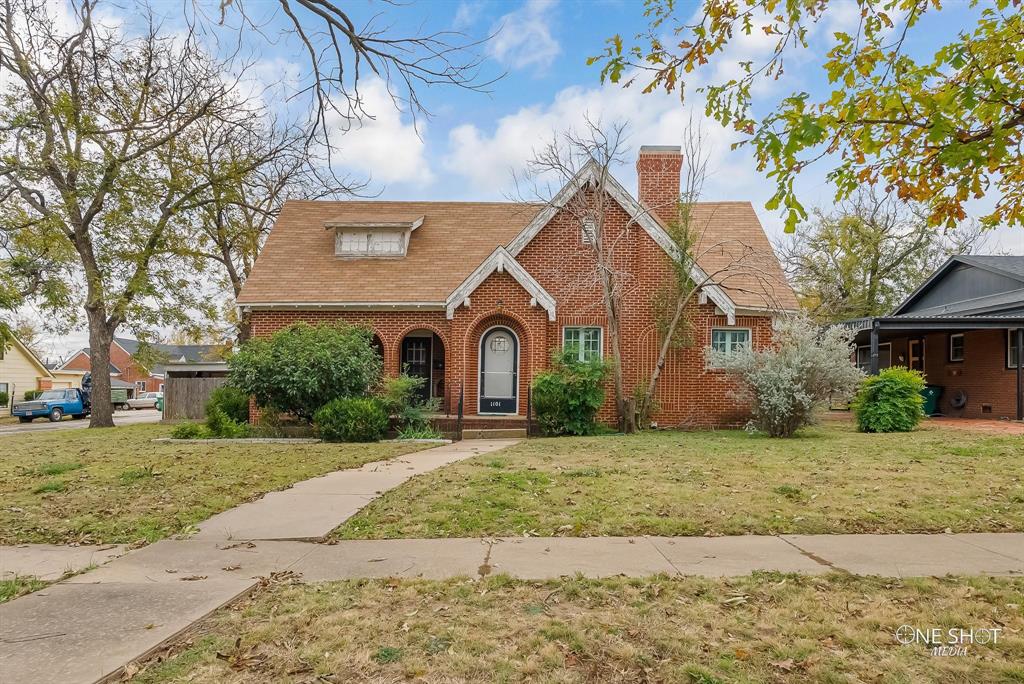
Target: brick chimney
x=657, y=171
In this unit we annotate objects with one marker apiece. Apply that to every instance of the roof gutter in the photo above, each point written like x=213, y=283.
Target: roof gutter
x=342, y=306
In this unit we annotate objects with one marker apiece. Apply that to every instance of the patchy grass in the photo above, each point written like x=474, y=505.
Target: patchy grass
x=19, y=586
x=827, y=480
x=766, y=628
x=115, y=485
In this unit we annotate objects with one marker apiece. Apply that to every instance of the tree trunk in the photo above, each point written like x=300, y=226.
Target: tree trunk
x=100, y=337
x=666, y=344
x=626, y=424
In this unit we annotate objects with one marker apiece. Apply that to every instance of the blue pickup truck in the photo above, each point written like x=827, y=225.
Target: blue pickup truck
x=53, y=404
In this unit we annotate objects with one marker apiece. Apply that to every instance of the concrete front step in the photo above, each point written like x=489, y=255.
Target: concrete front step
x=494, y=433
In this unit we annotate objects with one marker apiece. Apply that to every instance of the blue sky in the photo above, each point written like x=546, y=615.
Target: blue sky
x=472, y=142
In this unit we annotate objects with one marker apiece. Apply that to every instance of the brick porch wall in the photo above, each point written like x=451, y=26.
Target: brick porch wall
x=982, y=374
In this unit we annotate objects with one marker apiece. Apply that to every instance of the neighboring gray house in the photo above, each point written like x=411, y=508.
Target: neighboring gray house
x=964, y=329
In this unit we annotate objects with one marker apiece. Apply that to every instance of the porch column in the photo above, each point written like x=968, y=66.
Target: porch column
x=1019, y=344
x=873, y=367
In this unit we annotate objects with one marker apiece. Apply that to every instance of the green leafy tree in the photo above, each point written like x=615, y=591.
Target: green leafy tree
x=865, y=257
x=938, y=130
x=100, y=169
x=301, y=368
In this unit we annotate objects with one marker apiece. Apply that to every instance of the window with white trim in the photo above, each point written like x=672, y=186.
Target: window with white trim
x=585, y=341
x=369, y=243
x=730, y=341
x=956, y=347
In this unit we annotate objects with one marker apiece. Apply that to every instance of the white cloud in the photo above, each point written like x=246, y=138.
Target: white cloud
x=467, y=14
x=487, y=158
x=385, y=148
x=524, y=37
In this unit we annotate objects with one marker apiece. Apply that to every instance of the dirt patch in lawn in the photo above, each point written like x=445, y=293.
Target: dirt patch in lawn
x=830, y=479
x=117, y=486
x=766, y=627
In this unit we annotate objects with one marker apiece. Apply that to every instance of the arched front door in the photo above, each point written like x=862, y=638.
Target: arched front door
x=499, y=370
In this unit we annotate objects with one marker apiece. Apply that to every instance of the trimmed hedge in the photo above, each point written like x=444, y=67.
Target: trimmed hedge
x=890, y=401
x=351, y=420
x=233, y=402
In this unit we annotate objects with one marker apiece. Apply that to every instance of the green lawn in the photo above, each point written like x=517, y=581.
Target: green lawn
x=829, y=479
x=763, y=628
x=115, y=485
x=19, y=586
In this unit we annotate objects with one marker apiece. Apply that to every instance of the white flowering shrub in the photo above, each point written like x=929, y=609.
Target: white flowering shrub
x=787, y=382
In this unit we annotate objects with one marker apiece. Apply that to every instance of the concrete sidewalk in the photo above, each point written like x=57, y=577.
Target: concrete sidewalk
x=91, y=625
x=88, y=629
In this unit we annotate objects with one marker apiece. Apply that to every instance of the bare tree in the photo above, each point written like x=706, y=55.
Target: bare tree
x=591, y=153
x=340, y=54
x=867, y=255
x=233, y=226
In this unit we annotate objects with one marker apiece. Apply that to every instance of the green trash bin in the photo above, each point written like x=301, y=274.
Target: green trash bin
x=931, y=394
x=160, y=404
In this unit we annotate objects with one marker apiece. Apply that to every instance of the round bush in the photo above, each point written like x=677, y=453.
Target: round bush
x=890, y=401
x=232, y=401
x=300, y=368
x=189, y=431
x=352, y=420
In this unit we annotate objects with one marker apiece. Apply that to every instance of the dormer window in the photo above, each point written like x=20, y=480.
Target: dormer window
x=370, y=243
x=380, y=238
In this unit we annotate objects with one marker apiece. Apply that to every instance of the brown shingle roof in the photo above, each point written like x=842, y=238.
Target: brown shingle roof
x=730, y=239
x=298, y=265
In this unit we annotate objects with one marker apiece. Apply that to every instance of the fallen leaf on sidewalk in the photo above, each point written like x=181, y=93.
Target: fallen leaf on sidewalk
x=192, y=578
x=229, y=568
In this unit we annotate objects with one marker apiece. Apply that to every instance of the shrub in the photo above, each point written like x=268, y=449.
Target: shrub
x=5, y=399
x=303, y=367
x=232, y=401
x=221, y=426
x=400, y=397
x=189, y=431
x=786, y=382
x=567, y=397
x=352, y=420
x=890, y=401
x=32, y=394
x=427, y=431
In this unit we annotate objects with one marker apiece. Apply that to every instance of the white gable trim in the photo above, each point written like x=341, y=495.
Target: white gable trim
x=590, y=174
x=502, y=262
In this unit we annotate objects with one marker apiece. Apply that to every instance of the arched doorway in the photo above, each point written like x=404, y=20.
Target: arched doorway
x=421, y=355
x=499, y=371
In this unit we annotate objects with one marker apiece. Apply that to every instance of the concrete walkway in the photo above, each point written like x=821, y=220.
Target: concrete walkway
x=311, y=509
x=50, y=562
x=87, y=630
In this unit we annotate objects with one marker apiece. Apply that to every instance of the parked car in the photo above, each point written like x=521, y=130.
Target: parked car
x=145, y=400
x=54, y=404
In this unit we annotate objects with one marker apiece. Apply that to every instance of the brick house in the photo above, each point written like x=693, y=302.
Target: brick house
x=129, y=373
x=475, y=296
x=964, y=329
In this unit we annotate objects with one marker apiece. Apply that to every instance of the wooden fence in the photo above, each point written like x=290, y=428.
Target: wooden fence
x=185, y=397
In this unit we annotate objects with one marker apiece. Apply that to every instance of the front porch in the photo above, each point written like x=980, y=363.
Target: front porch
x=972, y=358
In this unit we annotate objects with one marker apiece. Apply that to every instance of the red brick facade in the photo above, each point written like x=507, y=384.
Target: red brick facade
x=689, y=394
x=983, y=374
x=122, y=360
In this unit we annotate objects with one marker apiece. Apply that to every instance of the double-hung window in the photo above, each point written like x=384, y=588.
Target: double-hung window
x=584, y=341
x=730, y=341
x=956, y=347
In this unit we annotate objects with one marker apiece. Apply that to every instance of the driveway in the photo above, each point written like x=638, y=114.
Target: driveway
x=40, y=424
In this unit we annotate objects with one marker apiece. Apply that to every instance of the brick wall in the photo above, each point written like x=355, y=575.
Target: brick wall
x=689, y=394
x=990, y=386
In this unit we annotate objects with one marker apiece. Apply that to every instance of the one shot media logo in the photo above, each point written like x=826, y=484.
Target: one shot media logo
x=953, y=641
